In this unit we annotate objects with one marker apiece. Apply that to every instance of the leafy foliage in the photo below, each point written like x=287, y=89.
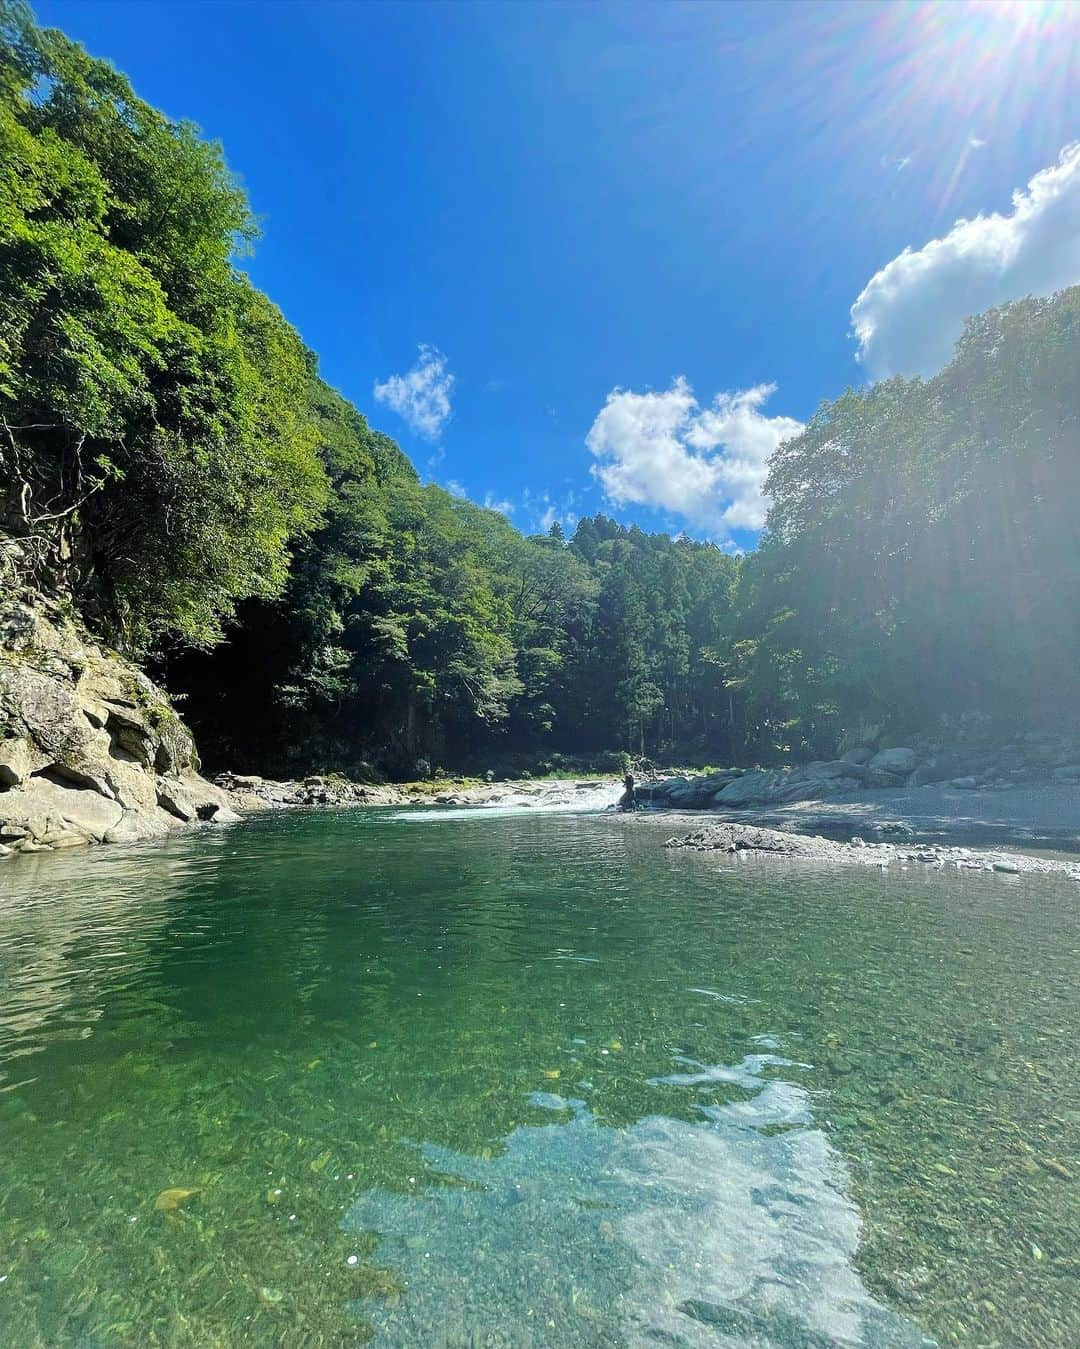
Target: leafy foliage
x=170, y=457
x=923, y=551
x=155, y=448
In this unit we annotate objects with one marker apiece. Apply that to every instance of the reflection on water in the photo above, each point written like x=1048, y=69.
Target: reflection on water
x=63, y=938
x=730, y=1233
x=530, y=1080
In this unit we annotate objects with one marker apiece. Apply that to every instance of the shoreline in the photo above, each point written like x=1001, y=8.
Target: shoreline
x=996, y=830
x=91, y=752
x=1031, y=816
x=740, y=840
x=236, y=795
x=250, y=793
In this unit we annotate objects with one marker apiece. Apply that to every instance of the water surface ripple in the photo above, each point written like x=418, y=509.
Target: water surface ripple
x=328, y=1078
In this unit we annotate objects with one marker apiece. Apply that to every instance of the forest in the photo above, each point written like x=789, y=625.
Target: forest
x=173, y=466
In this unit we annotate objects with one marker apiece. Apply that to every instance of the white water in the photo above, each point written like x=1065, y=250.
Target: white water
x=544, y=797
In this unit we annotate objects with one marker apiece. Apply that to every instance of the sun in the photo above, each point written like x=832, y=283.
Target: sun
x=1023, y=13
x=996, y=20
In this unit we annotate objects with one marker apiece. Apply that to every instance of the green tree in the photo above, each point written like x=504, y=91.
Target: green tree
x=923, y=544
x=155, y=451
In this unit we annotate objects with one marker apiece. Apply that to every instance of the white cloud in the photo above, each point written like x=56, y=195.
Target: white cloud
x=493, y=503
x=911, y=312
x=420, y=397
x=554, y=514
x=897, y=164
x=543, y=511
x=490, y=502
x=705, y=464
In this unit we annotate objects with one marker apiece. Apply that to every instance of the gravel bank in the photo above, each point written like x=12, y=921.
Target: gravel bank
x=738, y=839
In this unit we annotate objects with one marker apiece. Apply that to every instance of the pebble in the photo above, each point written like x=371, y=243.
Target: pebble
x=742, y=841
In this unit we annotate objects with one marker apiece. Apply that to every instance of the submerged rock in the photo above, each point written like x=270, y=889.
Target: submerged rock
x=168, y=1201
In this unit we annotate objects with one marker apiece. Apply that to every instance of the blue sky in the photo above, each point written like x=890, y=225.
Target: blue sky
x=572, y=246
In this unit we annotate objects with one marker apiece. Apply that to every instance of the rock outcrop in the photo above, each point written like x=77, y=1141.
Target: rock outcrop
x=248, y=792
x=1036, y=758
x=734, y=789
x=91, y=751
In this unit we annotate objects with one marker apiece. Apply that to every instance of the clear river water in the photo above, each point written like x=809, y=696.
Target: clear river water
x=528, y=1079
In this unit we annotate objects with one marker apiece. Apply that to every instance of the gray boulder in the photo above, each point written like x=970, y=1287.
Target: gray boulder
x=688, y=793
x=859, y=755
x=822, y=770
x=757, y=787
x=900, y=760
x=90, y=750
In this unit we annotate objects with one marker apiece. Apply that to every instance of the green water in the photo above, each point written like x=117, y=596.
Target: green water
x=531, y=1081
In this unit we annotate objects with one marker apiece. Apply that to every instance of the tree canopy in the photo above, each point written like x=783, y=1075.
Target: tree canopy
x=922, y=558
x=155, y=445
x=170, y=458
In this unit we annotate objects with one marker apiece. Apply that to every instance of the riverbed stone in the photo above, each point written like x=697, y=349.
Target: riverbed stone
x=893, y=830
x=739, y=839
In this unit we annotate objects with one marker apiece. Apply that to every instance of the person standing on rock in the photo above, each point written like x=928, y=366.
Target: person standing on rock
x=628, y=800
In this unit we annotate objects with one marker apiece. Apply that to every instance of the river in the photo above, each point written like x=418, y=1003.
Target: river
x=525, y=1078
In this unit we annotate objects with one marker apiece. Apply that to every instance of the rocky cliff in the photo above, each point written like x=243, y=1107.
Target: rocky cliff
x=91, y=751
